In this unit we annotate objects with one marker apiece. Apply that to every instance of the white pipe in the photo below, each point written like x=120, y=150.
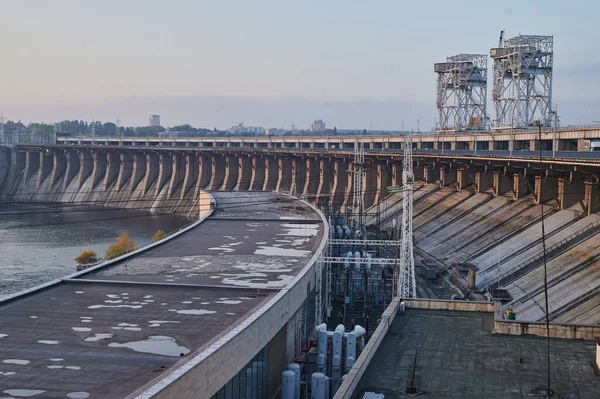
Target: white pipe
x=295, y=368
x=351, y=354
x=321, y=327
x=288, y=379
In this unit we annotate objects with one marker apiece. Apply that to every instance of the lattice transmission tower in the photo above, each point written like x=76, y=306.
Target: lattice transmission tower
x=522, y=90
x=358, y=184
x=406, y=276
x=462, y=92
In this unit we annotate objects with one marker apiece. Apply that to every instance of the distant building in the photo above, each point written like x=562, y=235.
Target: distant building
x=275, y=132
x=317, y=126
x=241, y=129
x=154, y=120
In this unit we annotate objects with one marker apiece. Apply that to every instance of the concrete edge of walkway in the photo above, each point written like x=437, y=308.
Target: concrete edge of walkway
x=52, y=283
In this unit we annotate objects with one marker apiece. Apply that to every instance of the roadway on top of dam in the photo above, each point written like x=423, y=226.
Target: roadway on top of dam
x=111, y=331
x=584, y=158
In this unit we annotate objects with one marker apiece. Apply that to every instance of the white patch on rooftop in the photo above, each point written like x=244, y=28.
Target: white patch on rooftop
x=300, y=230
x=99, y=336
x=197, y=312
x=156, y=344
x=276, y=251
x=3, y=335
x=57, y=359
x=23, y=393
x=17, y=361
x=78, y=395
x=79, y=292
x=115, y=306
x=81, y=329
x=47, y=342
x=229, y=302
x=55, y=367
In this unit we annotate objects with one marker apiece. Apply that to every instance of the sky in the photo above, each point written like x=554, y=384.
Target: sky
x=354, y=64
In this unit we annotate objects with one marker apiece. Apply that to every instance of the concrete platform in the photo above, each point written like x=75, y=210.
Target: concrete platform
x=116, y=329
x=457, y=356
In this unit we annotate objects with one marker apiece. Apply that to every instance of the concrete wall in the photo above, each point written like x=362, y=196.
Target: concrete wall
x=352, y=379
x=440, y=304
x=564, y=331
x=168, y=180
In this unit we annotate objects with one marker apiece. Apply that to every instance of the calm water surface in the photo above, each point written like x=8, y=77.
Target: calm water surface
x=38, y=243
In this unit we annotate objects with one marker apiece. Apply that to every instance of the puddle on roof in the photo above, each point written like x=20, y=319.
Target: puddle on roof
x=254, y=280
x=277, y=251
x=57, y=359
x=99, y=336
x=156, y=344
x=158, y=323
x=48, y=342
x=3, y=335
x=197, y=312
x=33, y=317
x=55, y=367
x=300, y=230
x=78, y=395
x=79, y=292
x=229, y=302
x=7, y=373
x=115, y=306
x=16, y=361
x=81, y=329
x=23, y=393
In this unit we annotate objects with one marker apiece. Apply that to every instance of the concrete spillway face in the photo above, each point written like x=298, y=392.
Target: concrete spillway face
x=73, y=166
x=218, y=172
x=32, y=165
x=245, y=173
x=86, y=167
x=60, y=166
x=152, y=169
x=126, y=170
x=177, y=175
x=258, y=173
x=99, y=168
x=191, y=174
x=139, y=171
x=231, y=173
x=112, y=169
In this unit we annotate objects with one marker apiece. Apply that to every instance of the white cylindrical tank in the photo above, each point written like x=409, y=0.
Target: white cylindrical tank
x=347, y=232
x=336, y=353
x=317, y=385
x=368, y=264
x=322, y=350
x=357, y=258
x=288, y=384
x=394, y=223
x=321, y=327
x=327, y=385
x=295, y=368
x=350, y=352
x=339, y=231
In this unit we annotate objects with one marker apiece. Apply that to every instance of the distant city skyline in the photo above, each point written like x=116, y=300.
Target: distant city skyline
x=269, y=63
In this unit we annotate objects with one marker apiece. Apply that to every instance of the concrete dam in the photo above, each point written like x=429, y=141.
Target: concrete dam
x=483, y=212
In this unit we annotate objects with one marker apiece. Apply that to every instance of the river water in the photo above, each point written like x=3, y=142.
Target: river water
x=38, y=242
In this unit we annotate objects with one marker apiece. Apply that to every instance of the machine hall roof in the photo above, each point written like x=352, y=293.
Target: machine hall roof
x=111, y=331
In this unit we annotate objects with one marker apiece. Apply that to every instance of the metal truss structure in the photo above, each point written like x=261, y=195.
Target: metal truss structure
x=462, y=92
x=406, y=275
x=358, y=183
x=522, y=88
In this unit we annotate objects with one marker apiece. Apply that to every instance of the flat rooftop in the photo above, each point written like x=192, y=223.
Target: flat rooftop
x=457, y=356
x=113, y=330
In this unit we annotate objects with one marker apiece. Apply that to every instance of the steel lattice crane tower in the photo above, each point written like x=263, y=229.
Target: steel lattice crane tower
x=406, y=276
x=462, y=91
x=522, y=90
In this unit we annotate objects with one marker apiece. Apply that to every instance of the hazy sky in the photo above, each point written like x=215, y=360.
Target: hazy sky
x=213, y=63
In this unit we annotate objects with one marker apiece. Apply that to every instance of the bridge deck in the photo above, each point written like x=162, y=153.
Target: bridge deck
x=116, y=329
